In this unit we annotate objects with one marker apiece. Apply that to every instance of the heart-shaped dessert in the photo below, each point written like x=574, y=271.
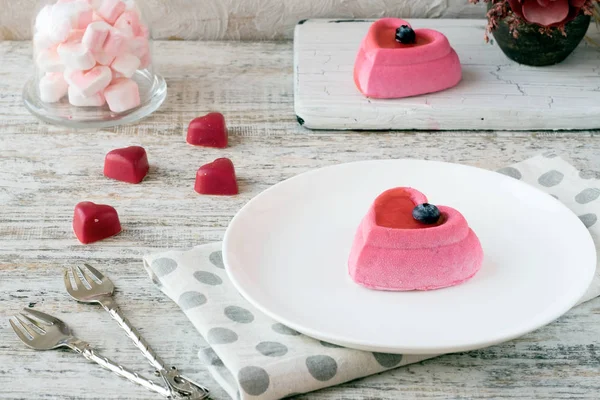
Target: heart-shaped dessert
x=394, y=61
x=404, y=243
x=208, y=131
x=93, y=222
x=129, y=164
x=217, y=178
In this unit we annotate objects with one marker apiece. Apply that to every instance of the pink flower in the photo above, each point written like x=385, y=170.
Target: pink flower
x=547, y=12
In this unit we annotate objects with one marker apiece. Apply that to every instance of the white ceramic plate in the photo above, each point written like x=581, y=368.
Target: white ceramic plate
x=286, y=251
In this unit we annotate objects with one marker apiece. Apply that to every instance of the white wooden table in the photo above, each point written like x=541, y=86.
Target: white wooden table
x=45, y=171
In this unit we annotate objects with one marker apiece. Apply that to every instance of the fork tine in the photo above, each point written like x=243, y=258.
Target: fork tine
x=25, y=325
x=19, y=329
x=78, y=279
x=33, y=322
x=67, y=279
x=93, y=271
x=46, y=318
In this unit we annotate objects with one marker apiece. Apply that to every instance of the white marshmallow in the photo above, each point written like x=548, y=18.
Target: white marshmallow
x=95, y=35
x=122, y=95
x=91, y=82
x=78, y=100
x=43, y=20
x=42, y=42
x=49, y=61
x=53, y=87
x=126, y=65
x=75, y=56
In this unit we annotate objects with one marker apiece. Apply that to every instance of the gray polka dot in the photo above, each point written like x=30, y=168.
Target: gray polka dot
x=207, y=278
x=589, y=174
x=388, y=360
x=271, y=349
x=216, y=259
x=163, y=266
x=588, y=195
x=510, y=171
x=551, y=178
x=191, y=300
x=322, y=368
x=588, y=219
x=221, y=336
x=254, y=380
x=209, y=357
x=330, y=345
x=284, y=330
x=239, y=314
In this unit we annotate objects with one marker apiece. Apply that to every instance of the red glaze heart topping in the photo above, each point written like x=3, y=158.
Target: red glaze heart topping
x=394, y=209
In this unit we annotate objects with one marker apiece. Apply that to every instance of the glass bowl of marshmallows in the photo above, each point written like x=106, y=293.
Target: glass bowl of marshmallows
x=93, y=64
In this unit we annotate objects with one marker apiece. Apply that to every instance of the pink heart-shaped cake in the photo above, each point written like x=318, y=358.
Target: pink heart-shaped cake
x=93, y=222
x=217, y=178
x=208, y=131
x=386, y=68
x=129, y=164
x=399, y=247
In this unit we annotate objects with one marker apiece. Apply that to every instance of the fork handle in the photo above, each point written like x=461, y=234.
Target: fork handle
x=109, y=305
x=88, y=352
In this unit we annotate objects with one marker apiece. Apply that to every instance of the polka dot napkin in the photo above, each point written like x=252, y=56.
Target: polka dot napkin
x=253, y=357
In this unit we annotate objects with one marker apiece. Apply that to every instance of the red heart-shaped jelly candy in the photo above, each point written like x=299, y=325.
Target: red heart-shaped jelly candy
x=208, y=131
x=93, y=222
x=217, y=178
x=129, y=164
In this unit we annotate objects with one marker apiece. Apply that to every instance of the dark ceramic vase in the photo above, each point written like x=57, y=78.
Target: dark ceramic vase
x=538, y=49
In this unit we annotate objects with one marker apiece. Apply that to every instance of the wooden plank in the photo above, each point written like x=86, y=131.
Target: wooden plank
x=46, y=170
x=495, y=93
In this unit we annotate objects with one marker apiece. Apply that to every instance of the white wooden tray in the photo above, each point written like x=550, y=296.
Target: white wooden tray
x=495, y=94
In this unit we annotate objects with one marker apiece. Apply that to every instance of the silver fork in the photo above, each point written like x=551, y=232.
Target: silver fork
x=41, y=331
x=94, y=287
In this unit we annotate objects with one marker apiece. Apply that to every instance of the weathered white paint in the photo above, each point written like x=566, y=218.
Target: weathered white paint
x=495, y=93
x=46, y=170
x=247, y=19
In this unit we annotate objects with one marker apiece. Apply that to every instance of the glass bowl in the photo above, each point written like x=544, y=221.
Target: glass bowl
x=93, y=64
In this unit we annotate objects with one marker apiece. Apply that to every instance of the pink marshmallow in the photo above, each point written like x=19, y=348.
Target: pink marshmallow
x=126, y=65
x=122, y=95
x=144, y=31
x=145, y=61
x=84, y=19
x=75, y=35
x=95, y=35
x=49, y=61
x=115, y=43
x=111, y=10
x=91, y=82
x=102, y=58
x=75, y=56
x=53, y=87
x=139, y=46
x=78, y=100
x=128, y=24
